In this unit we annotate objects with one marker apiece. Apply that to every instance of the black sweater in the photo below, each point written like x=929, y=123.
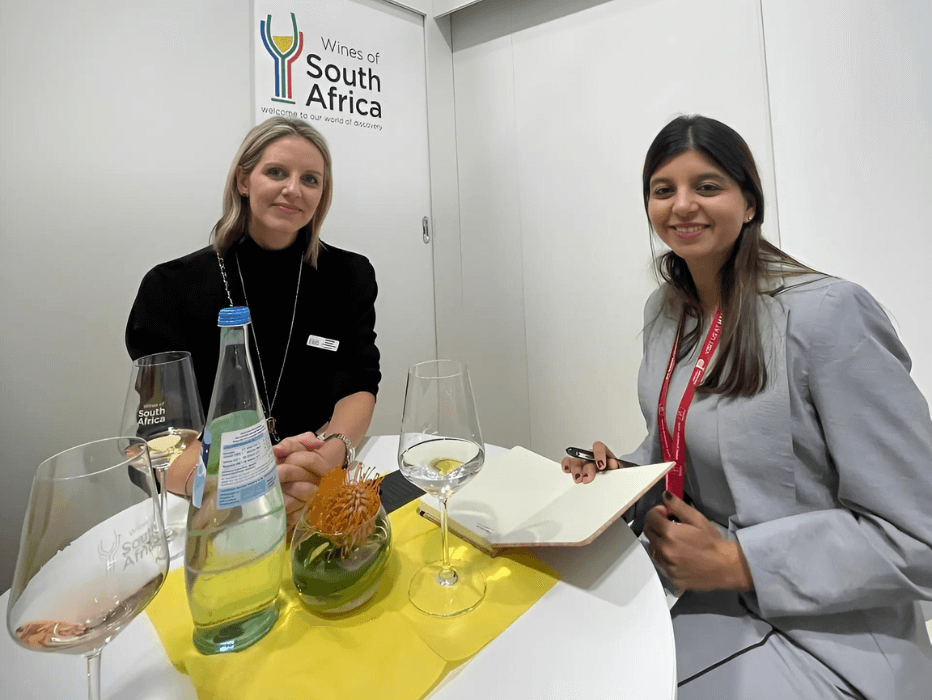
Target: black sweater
x=178, y=301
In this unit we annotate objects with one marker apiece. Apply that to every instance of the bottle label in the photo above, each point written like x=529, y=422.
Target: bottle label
x=247, y=466
x=200, y=476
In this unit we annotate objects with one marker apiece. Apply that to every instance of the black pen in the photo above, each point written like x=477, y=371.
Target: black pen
x=580, y=453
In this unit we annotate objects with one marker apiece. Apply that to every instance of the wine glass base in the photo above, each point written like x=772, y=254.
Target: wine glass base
x=434, y=594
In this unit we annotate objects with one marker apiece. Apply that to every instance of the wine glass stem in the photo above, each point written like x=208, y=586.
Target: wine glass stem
x=163, y=502
x=93, y=675
x=446, y=572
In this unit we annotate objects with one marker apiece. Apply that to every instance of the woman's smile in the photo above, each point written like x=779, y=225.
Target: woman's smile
x=689, y=231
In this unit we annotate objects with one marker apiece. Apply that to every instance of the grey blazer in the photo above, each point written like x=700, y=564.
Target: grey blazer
x=832, y=483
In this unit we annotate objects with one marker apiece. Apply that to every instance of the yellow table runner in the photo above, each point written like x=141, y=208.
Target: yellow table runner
x=386, y=648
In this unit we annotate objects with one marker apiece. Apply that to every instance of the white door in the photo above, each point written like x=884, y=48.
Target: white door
x=355, y=69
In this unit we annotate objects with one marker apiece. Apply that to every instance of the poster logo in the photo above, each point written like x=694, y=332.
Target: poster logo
x=284, y=50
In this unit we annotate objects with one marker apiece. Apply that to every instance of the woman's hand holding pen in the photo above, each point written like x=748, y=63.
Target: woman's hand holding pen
x=692, y=552
x=584, y=467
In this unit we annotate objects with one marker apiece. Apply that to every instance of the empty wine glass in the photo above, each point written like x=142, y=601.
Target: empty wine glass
x=163, y=407
x=440, y=449
x=92, y=552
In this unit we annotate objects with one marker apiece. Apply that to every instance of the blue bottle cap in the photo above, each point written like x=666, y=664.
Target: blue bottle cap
x=233, y=316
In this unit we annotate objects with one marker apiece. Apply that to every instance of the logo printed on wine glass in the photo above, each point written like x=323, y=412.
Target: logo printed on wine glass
x=151, y=413
x=139, y=548
x=135, y=549
x=284, y=50
x=109, y=550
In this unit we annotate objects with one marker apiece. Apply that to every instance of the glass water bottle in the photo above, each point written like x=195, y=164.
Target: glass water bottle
x=235, y=544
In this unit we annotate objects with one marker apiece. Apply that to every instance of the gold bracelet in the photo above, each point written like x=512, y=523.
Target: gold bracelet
x=350, y=450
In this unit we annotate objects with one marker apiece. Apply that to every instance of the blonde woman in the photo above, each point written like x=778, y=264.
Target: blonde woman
x=312, y=307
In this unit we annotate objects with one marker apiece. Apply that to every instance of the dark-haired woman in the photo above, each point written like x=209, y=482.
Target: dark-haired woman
x=803, y=537
x=312, y=306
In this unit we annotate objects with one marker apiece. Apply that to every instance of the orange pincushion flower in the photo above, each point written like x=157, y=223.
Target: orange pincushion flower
x=346, y=499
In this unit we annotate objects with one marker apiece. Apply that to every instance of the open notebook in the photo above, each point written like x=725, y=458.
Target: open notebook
x=520, y=499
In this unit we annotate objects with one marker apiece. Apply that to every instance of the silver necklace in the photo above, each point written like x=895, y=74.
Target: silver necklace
x=270, y=420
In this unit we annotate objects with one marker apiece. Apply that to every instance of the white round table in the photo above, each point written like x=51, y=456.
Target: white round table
x=602, y=632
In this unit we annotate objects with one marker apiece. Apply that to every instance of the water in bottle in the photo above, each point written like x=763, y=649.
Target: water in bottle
x=235, y=545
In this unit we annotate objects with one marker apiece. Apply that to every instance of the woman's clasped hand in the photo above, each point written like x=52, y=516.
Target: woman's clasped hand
x=691, y=550
x=300, y=469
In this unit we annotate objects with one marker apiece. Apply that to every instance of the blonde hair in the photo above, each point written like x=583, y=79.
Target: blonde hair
x=231, y=226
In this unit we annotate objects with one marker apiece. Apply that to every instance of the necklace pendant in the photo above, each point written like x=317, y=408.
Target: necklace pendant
x=270, y=423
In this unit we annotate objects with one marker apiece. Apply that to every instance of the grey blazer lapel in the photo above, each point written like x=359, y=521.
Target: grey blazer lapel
x=755, y=434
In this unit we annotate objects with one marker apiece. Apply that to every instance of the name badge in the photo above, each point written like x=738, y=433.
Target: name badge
x=315, y=341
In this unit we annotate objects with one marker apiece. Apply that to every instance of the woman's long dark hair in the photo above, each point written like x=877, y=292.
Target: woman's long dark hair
x=753, y=261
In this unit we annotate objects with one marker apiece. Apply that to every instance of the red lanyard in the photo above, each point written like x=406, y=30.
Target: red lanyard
x=674, y=448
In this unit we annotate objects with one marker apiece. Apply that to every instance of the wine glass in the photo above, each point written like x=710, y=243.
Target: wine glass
x=163, y=407
x=440, y=449
x=92, y=553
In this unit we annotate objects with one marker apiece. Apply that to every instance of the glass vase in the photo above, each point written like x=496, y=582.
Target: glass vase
x=337, y=572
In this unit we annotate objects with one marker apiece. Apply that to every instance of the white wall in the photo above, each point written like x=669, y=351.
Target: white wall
x=556, y=105
x=851, y=89
x=119, y=120
x=441, y=8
